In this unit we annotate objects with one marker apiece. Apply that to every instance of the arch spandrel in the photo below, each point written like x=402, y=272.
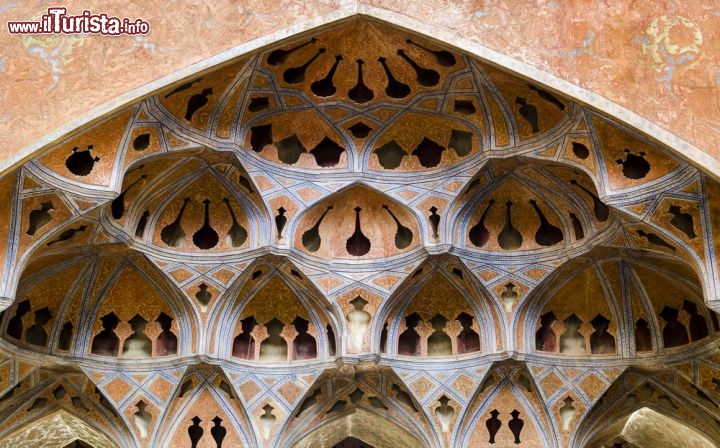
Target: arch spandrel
x=204, y=399
x=195, y=102
x=360, y=394
x=89, y=159
x=630, y=162
x=67, y=392
x=58, y=429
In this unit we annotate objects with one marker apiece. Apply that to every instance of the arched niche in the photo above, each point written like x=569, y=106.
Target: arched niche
x=66, y=298
x=665, y=392
x=506, y=410
x=648, y=428
x=132, y=310
x=59, y=429
x=276, y=317
x=205, y=410
x=364, y=425
x=577, y=311
x=438, y=312
x=199, y=201
x=520, y=204
x=43, y=395
x=418, y=141
x=371, y=391
x=357, y=222
x=39, y=315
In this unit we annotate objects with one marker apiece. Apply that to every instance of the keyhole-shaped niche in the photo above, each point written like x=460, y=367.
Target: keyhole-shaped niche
x=189, y=202
x=275, y=325
x=438, y=320
x=357, y=222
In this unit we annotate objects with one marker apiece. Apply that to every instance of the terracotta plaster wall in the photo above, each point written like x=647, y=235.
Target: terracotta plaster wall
x=653, y=64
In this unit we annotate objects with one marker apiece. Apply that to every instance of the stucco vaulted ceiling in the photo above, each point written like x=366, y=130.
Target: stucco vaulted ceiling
x=358, y=235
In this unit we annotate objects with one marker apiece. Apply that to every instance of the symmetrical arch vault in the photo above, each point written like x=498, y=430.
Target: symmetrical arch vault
x=648, y=428
x=644, y=408
x=59, y=428
x=359, y=232
x=364, y=426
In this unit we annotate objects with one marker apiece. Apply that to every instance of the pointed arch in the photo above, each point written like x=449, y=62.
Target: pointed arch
x=508, y=391
x=372, y=403
x=627, y=409
x=205, y=398
x=634, y=296
x=273, y=291
x=59, y=428
x=561, y=199
x=363, y=425
x=165, y=196
x=61, y=404
x=133, y=305
x=441, y=285
x=648, y=428
x=353, y=223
